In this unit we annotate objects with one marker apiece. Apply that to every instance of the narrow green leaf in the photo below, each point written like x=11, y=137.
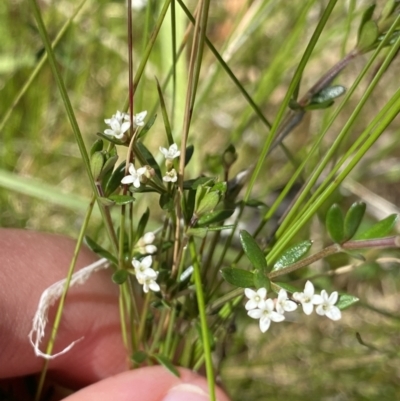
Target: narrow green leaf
x=97, y=249
x=197, y=232
x=346, y=300
x=96, y=147
x=208, y=203
x=261, y=280
x=149, y=158
x=109, y=165
x=353, y=219
x=122, y=199
x=221, y=228
x=114, y=181
x=380, y=229
x=329, y=93
x=214, y=217
x=120, y=276
x=319, y=106
x=292, y=255
x=96, y=164
x=276, y=286
x=367, y=16
x=188, y=154
x=139, y=357
x=166, y=201
x=142, y=224
x=105, y=201
x=147, y=127
x=166, y=362
x=238, y=277
x=335, y=223
x=253, y=251
x=369, y=35
x=255, y=203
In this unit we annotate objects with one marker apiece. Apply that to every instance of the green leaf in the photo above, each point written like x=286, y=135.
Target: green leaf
x=369, y=36
x=197, y=232
x=214, y=217
x=149, y=158
x=292, y=255
x=105, y=201
x=96, y=147
x=208, y=203
x=253, y=251
x=142, y=224
x=139, y=357
x=166, y=201
x=367, y=16
x=255, y=203
x=346, y=300
x=96, y=164
x=238, y=277
x=97, y=249
x=166, y=362
x=121, y=199
x=380, y=229
x=261, y=280
x=276, y=286
x=220, y=228
x=120, y=276
x=188, y=154
x=319, y=106
x=109, y=165
x=353, y=219
x=114, y=182
x=335, y=223
x=220, y=187
x=327, y=94
x=147, y=127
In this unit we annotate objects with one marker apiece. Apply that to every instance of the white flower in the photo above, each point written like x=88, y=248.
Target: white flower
x=170, y=153
x=150, y=283
x=170, y=176
x=145, y=244
x=327, y=307
x=307, y=298
x=266, y=314
x=138, y=119
x=283, y=304
x=255, y=297
x=119, y=124
x=134, y=176
x=143, y=268
x=145, y=275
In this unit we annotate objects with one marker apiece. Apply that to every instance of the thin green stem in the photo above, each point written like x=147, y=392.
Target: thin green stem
x=60, y=308
x=203, y=320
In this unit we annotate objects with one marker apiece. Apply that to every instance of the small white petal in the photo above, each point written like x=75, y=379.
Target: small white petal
x=334, y=313
x=249, y=293
x=308, y=308
x=309, y=289
x=128, y=179
x=255, y=313
x=276, y=317
x=264, y=325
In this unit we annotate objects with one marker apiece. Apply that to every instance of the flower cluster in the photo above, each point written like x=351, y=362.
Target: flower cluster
x=171, y=153
x=119, y=124
x=272, y=310
x=145, y=275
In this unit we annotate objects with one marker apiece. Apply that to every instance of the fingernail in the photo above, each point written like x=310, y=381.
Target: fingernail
x=186, y=392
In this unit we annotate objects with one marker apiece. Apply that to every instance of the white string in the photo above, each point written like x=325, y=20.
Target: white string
x=47, y=299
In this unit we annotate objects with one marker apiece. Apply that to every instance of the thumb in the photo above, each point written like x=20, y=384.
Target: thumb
x=152, y=383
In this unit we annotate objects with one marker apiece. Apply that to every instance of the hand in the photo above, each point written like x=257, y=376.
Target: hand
x=97, y=365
